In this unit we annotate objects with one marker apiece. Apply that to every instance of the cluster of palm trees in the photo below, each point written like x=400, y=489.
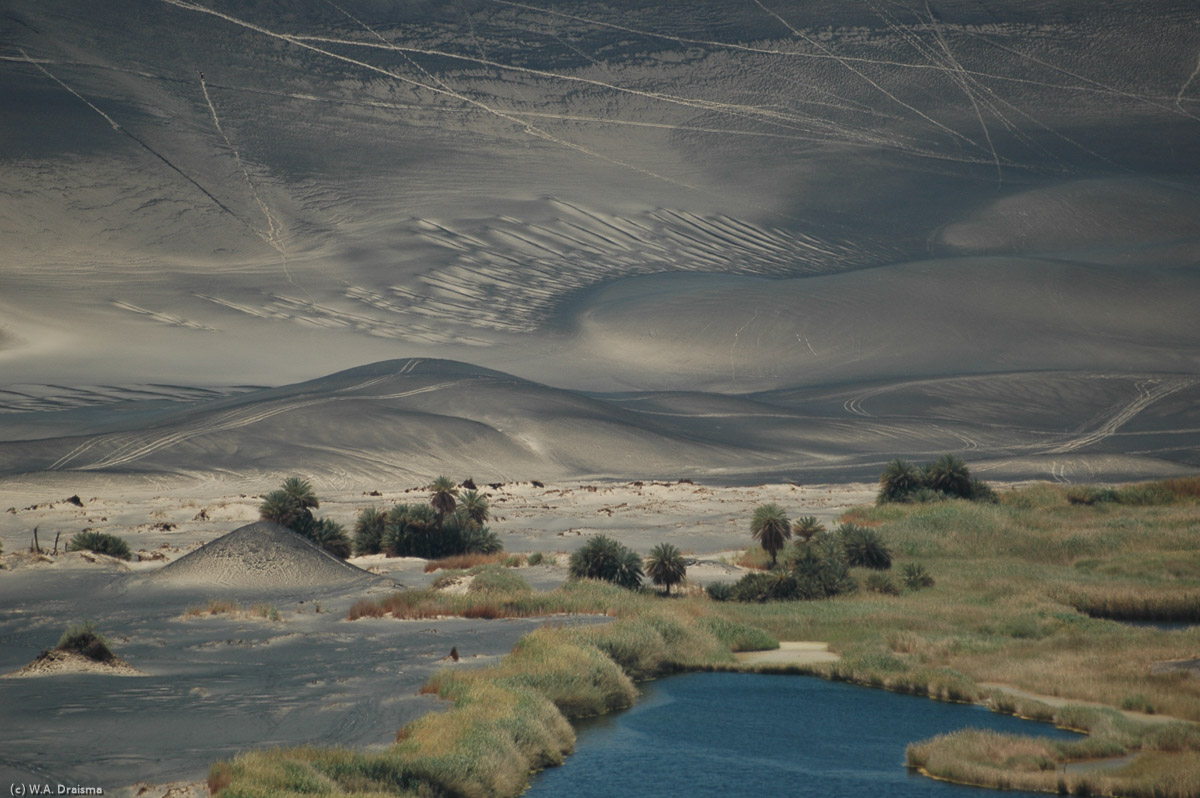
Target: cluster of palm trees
x=607, y=559
x=947, y=477
x=771, y=528
x=816, y=566
x=453, y=522
x=292, y=505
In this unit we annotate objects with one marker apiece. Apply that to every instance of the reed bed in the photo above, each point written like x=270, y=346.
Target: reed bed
x=511, y=719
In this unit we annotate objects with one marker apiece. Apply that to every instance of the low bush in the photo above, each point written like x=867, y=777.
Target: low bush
x=100, y=543
x=864, y=547
x=881, y=583
x=720, y=591
x=537, y=558
x=915, y=576
x=83, y=639
x=606, y=559
x=497, y=579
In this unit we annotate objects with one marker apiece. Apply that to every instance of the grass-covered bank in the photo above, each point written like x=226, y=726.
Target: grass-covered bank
x=1027, y=592
x=1017, y=586
x=512, y=719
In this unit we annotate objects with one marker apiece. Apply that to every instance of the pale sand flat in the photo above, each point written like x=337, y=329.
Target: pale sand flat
x=790, y=653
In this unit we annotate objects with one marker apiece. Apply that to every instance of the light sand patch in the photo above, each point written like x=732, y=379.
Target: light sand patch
x=800, y=652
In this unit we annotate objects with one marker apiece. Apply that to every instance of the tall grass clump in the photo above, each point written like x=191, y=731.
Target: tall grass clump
x=100, y=543
x=511, y=719
x=85, y=640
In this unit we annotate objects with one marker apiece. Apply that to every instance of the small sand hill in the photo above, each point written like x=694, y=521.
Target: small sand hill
x=259, y=556
x=55, y=661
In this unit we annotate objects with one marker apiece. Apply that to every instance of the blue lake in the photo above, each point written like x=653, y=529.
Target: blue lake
x=732, y=734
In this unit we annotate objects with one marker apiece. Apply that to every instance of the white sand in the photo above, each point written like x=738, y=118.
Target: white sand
x=790, y=653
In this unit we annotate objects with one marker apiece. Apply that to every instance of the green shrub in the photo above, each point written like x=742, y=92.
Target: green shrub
x=864, y=547
x=720, y=591
x=606, y=559
x=101, y=543
x=915, y=576
x=83, y=639
x=821, y=570
x=497, y=579
x=329, y=535
x=536, y=558
x=760, y=587
x=481, y=540
x=368, y=531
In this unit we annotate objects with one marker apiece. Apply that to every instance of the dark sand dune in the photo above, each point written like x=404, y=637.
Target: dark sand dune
x=413, y=419
x=259, y=557
x=261, y=197
x=932, y=318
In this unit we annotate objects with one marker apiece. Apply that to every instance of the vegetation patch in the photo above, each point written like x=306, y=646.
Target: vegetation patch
x=511, y=719
x=291, y=506
x=1018, y=581
x=233, y=609
x=84, y=640
x=100, y=543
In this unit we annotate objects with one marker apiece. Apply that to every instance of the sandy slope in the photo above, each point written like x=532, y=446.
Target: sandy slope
x=263, y=198
x=410, y=420
x=260, y=556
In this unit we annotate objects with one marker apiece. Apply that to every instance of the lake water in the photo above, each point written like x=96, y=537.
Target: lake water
x=730, y=734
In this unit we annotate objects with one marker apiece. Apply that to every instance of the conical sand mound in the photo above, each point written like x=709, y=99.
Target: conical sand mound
x=54, y=661
x=260, y=556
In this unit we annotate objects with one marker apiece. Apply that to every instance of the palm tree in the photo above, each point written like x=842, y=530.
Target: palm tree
x=329, y=535
x=442, y=495
x=596, y=559
x=899, y=478
x=807, y=527
x=280, y=508
x=368, y=531
x=301, y=491
x=665, y=566
x=950, y=475
x=864, y=547
x=770, y=527
x=629, y=570
x=475, y=505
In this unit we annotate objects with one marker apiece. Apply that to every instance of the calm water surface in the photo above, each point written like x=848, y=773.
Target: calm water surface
x=732, y=734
